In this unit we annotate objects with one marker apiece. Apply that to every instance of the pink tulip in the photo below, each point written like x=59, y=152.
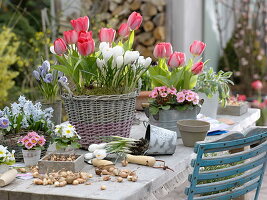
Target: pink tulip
x=134, y=21
x=70, y=37
x=60, y=46
x=107, y=35
x=177, y=59
x=197, y=48
x=85, y=35
x=241, y=97
x=124, y=30
x=197, y=68
x=85, y=47
x=257, y=85
x=162, y=50
x=80, y=24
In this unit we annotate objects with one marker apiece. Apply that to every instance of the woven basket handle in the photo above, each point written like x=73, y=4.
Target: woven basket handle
x=66, y=87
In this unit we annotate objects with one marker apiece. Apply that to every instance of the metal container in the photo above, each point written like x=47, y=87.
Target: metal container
x=168, y=118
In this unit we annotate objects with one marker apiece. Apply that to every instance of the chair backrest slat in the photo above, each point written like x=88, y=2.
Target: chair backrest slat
x=229, y=183
x=220, y=160
x=221, y=175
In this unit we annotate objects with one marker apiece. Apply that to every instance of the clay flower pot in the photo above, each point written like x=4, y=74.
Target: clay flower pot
x=193, y=131
x=142, y=98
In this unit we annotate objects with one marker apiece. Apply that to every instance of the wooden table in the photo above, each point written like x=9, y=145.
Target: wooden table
x=152, y=183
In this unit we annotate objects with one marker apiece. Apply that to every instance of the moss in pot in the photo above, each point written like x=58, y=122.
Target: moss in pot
x=193, y=131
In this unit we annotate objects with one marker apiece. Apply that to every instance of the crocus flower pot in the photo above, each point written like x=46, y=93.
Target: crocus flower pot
x=57, y=107
x=31, y=157
x=193, y=131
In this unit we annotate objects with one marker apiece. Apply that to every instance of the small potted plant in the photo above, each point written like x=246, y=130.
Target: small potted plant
x=234, y=106
x=20, y=118
x=66, y=138
x=31, y=144
x=48, y=83
x=214, y=89
x=167, y=106
x=6, y=158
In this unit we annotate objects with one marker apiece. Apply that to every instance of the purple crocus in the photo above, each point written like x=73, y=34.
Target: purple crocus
x=63, y=79
x=36, y=75
x=4, y=122
x=48, y=78
x=46, y=66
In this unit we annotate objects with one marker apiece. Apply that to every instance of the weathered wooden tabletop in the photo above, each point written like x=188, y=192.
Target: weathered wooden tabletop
x=152, y=183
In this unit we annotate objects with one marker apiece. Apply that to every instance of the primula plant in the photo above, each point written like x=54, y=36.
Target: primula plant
x=115, y=66
x=32, y=141
x=168, y=98
x=48, y=81
x=6, y=157
x=25, y=115
x=66, y=135
x=172, y=70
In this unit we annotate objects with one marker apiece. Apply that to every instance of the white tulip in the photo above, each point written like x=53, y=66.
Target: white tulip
x=119, y=61
x=148, y=61
x=103, y=45
x=141, y=60
x=100, y=153
x=107, y=53
x=130, y=56
x=52, y=50
x=117, y=51
x=100, y=62
x=92, y=147
x=102, y=145
x=89, y=156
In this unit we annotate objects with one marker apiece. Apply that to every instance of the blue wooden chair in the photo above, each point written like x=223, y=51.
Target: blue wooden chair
x=233, y=175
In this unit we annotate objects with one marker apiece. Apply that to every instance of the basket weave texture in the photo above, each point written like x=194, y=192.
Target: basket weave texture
x=95, y=117
x=11, y=142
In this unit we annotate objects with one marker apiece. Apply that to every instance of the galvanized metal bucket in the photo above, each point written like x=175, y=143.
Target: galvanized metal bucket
x=168, y=118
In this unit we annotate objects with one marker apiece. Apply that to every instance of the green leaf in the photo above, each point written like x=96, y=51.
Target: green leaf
x=75, y=145
x=162, y=80
x=153, y=110
x=62, y=68
x=166, y=107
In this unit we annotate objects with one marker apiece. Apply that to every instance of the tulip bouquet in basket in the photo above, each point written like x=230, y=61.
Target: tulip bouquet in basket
x=172, y=70
x=114, y=66
x=168, y=98
x=48, y=81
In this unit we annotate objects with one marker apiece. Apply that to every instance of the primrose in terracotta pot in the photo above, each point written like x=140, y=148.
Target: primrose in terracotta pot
x=167, y=106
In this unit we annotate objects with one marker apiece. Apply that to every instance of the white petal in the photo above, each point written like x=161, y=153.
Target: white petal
x=103, y=45
x=52, y=50
x=148, y=62
x=100, y=153
x=117, y=51
x=119, y=61
x=92, y=147
x=102, y=145
x=88, y=156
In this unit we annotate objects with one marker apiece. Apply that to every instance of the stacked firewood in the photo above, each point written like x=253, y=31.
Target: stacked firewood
x=111, y=13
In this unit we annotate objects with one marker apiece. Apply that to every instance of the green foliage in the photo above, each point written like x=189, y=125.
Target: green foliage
x=210, y=82
x=179, y=78
x=8, y=56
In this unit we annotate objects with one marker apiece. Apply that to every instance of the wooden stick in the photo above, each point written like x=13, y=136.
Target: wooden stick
x=8, y=177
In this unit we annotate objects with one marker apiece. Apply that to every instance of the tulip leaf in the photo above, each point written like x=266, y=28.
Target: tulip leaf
x=164, y=81
x=193, y=81
x=62, y=68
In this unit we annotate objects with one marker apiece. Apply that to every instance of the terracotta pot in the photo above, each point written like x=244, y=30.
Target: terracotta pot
x=193, y=131
x=142, y=98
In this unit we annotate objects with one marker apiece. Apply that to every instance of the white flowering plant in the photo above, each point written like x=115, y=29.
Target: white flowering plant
x=6, y=157
x=66, y=135
x=25, y=115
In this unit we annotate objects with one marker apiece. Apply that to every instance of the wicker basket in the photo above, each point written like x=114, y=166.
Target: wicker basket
x=11, y=142
x=98, y=116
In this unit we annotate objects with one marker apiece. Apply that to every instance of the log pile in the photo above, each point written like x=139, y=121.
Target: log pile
x=111, y=13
